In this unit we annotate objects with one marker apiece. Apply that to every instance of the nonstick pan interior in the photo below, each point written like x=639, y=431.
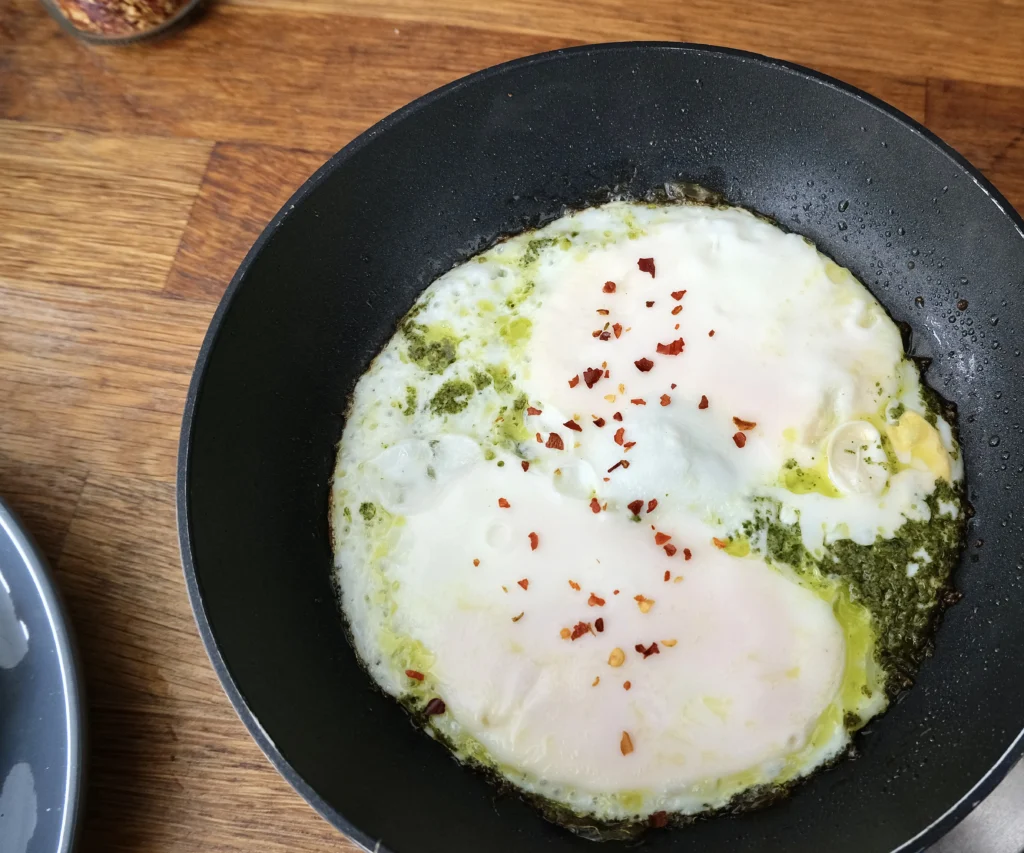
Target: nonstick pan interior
x=508, y=148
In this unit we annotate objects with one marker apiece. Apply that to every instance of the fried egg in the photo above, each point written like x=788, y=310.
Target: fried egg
x=645, y=510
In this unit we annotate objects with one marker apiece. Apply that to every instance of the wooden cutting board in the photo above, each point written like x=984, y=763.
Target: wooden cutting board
x=133, y=180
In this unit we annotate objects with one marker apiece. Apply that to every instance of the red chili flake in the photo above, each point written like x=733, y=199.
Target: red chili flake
x=532, y=411
x=579, y=629
x=652, y=649
x=671, y=551
x=617, y=416
x=555, y=442
x=676, y=327
x=524, y=583
x=676, y=310
x=412, y=673
x=476, y=562
x=661, y=538
x=644, y=365
x=649, y=304
x=673, y=386
x=665, y=399
x=711, y=334
x=635, y=506
x=434, y=706
x=673, y=348
x=619, y=434
x=678, y=294
x=604, y=312
x=609, y=287
x=599, y=624
x=659, y=820
x=504, y=504
x=719, y=543
x=628, y=445
x=573, y=426
x=740, y=439
x=574, y=381
x=646, y=265
x=625, y=686
x=574, y=585
x=595, y=506
x=605, y=336
x=638, y=401
x=595, y=601
x=520, y=616
x=687, y=553
x=607, y=374
x=703, y=404
x=668, y=574
x=600, y=422
x=596, y=333
x=744, y=425
x=525, y=464
x=534, y=541
x=652, y=504
x=617, y=329
x=591, y=376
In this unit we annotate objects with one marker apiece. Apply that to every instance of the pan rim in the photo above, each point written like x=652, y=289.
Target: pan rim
x=927, y=836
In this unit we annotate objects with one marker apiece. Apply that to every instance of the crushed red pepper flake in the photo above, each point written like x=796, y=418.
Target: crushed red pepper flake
x=619, y=435
x=652, y=504
x=672, y=348
x=719, y=543
x=599, y=422
x=555, y=442
x=564, y=633
x=599, y=624
x=740, y=439
x=607, y=374
x=604, y=312
x=678, y=294
x=661, y=538
x=617, y=416
x=592, y=375
x=605, y=336
x=609, y=287
x=504, y=504
x=574, y=381
x=665, y=399
x=703, y=404
x=649, y=304
x=668, y=574
x=595, y=505
x=676, y=310
x=659, y=820
x=638, y=401
x=476, y=561
x=671, y=551
x=520, y=616
x=635, y=506
x=711, y=334
x=626, y=685
x=525, y=464
x=533, y=411
x=412, y=673
x=574, y=585
x=434, y=707
x=625, y=744
x=652, y=649
x=579, y=629
x=617, y=329
x=628, y=445
x=573, y=426
x=534, y=541
x=673, y=386
x=615, y=592
x=595, y=600
x=524, y=583
x=744, y=425
x=644, y=364
x=687, y=553
x=646, y=265
x=596, y=681
x=644, y=603
x=596, y=333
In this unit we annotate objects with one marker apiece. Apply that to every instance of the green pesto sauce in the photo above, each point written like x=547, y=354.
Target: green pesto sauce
x=903, y=608
x=368, y=511
x=452, y=397
x=410, y=401
x=480, y=379
x=502, y=379
x=535, y=247
x=433, y=356
x=511, y=424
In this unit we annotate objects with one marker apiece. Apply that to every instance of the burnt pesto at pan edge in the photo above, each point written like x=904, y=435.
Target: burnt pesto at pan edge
x=653, y=511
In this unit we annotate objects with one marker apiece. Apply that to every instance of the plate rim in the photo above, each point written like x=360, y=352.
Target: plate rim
x=918, y=843
x=70, y=670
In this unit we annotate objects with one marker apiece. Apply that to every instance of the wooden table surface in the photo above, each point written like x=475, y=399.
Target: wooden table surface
x=133, y=180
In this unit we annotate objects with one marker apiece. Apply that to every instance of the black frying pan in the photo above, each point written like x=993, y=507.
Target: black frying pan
x=505, y=149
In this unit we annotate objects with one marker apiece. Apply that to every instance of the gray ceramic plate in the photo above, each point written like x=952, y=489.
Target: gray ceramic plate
x=41, y=723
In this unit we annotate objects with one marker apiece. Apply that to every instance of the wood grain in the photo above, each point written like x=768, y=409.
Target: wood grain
x=133, y=181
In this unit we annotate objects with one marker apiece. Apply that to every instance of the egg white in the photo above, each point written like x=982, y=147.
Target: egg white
x=764, y=665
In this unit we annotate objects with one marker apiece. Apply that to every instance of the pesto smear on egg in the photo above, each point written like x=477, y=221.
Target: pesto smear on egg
x=645, y=512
